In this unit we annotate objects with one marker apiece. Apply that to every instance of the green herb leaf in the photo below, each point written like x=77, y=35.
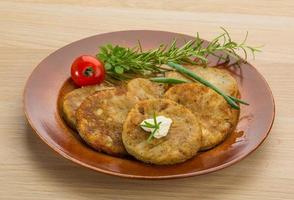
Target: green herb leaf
x=123, y=63
x=149, y=63
x=108, y=66
x=119, y=70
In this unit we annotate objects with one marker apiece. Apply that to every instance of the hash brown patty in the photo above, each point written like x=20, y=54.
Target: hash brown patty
x=219, y=77
x=216, y=116
x=100, y=119
x=101, y=116
x=181, y=143
x=73, y=100
x=141, y=89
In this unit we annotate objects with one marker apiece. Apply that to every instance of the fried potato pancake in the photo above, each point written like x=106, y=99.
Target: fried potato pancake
x=100, y=119
x=73, y=100
x=219, y=77
x=181, y=143
x=141, y=89
x=101, y=116
x=216, y=116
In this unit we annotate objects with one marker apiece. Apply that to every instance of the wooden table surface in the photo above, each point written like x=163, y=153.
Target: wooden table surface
x=30, y=30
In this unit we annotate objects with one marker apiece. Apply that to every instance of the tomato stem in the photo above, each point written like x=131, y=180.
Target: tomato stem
x=89, y=71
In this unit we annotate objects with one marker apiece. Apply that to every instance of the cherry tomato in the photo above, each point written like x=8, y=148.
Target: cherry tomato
x=87, y=70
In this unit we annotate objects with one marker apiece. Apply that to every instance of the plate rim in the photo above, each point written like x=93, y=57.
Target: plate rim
x=184, y=175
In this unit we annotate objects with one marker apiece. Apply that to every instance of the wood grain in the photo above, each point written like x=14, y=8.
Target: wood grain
x=30, y=30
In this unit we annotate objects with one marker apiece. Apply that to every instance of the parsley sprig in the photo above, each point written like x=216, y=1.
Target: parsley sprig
x=155, y=126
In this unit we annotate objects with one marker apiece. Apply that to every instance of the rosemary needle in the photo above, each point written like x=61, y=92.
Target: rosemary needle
x=125, y=63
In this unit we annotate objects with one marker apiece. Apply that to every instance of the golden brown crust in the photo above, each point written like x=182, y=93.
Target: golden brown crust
x=181, y=143
x=219, y=77
x=73, y=100
x=100, y=119
x=141, y=89
x=101, y=116
x=215, y=115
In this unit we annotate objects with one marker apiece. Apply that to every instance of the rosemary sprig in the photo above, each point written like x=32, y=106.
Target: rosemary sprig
x=155, y=126
x=125, y=63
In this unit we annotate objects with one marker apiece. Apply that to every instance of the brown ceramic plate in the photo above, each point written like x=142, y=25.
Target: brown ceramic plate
x=50, y=80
